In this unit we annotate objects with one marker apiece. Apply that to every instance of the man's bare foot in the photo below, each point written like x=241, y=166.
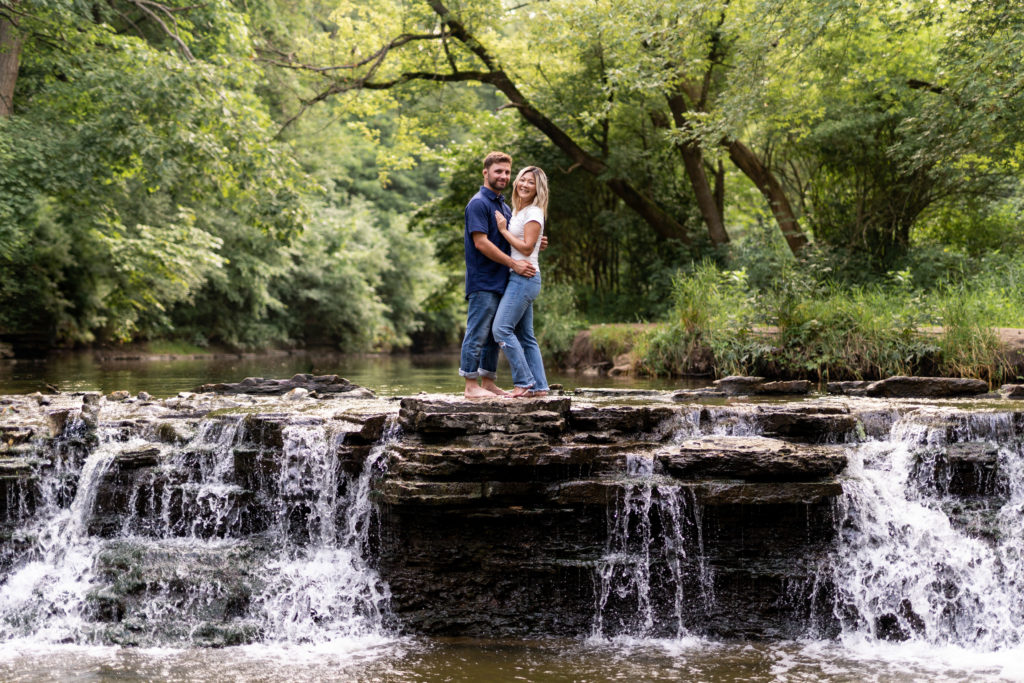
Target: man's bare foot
x=488, y=384
x=519, y=392
x=474, y=390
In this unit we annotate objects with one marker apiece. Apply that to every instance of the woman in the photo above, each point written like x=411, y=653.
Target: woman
x=513, y=322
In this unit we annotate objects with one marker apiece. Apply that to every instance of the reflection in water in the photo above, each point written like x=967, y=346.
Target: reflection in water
x=386, y=374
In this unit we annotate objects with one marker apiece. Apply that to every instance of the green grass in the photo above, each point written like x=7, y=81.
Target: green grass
x=800, y=328
x=172, y=347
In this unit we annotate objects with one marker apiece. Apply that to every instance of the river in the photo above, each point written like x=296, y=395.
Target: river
x=878, y=492
x=388, y=375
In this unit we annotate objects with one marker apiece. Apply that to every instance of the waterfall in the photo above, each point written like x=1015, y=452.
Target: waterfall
x=923, y=555
x=220, y=540
x=326, y=589
x=654, y=550
x=45, y=593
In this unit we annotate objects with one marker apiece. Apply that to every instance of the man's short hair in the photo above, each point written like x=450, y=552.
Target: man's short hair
x=496, y=158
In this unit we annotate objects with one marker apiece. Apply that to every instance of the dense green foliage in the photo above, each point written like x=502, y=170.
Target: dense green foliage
x=264, y=173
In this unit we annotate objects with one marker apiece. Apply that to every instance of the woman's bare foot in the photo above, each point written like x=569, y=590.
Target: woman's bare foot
x=536, y=394
x=520, y=392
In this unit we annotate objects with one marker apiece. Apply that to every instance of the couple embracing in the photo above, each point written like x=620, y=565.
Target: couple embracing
x=502, y=280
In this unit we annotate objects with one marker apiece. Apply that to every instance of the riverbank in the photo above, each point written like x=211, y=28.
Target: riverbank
x=656, y=349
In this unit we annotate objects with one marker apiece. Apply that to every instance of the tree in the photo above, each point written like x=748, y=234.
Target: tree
x=605, y=66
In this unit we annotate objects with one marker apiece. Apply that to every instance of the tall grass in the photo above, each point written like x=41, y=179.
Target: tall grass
x=799, y=327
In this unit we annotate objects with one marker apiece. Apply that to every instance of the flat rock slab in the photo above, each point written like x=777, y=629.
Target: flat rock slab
x=926, y=387
x=735, y=385
x=752, y=458
x=436, y=416
x=321, y=384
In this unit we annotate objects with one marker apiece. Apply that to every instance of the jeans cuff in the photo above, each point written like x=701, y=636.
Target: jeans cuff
x=468, y=375
x=486, y=373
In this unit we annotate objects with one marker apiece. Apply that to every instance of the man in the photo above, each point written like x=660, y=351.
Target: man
x=487, y=266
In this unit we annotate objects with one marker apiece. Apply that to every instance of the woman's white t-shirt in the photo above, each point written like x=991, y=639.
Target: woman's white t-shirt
x=517, y=226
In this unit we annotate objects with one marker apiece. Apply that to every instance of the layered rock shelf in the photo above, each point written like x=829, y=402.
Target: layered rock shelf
x=563, y=515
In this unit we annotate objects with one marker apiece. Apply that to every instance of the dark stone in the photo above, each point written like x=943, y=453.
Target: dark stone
x=440, y=418
x=791, y=387
x=617, y=422
x=752, y=459
x=736, y=385
x=926, y=387
x=851, y=388
x=321, y=384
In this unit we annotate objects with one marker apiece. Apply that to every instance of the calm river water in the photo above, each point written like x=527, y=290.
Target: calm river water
x=393, y=657
x=386, y=375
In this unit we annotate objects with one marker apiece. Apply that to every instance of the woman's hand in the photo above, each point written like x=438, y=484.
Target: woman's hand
x=500, y=217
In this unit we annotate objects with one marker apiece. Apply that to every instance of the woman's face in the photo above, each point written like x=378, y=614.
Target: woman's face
x=527, y=188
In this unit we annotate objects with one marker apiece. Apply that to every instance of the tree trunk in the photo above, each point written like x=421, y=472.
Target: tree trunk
x=693, y=160
x=720, y=188
x=748, y=162
x=10, y=54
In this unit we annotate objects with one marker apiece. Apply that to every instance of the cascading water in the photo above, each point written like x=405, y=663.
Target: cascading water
x=203, y=551
x=928, y=552
x=45, y=594
x=325, y=588
x=654, y=544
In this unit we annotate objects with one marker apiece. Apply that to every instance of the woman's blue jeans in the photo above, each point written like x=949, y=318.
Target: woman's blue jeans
x=513, y=330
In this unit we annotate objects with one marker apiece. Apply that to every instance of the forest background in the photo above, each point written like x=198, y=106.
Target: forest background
x=800, y=187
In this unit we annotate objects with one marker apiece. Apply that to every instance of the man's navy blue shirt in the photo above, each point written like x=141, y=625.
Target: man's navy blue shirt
x=483, y=274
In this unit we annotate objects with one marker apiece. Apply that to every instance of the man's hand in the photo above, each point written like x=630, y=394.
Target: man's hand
x=524, y=268
x=543, y=242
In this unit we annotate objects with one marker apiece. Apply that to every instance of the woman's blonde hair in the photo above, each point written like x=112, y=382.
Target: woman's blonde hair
x=540, y=182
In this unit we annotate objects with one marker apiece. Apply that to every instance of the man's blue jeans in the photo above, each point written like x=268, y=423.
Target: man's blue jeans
x=479, y=350
x=513, y=329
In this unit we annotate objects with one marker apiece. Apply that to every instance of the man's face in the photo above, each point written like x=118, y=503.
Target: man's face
x=497, y=176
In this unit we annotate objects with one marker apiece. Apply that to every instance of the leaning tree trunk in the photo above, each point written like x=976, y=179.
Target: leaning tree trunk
x=10, y=54
x=748, y=162
x=693, y=161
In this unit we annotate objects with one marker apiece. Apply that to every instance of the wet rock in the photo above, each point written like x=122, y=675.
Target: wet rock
x=804, y=425
x=1015, y=391
x=18, y=490
x=614, y=423
x=202, y=593
x=602, y=392
x=321, y=384
x=736, y=385
x=791, y=387
x=926, y=387
x=690, y=395
x=851, y=388
x=296, y=394
x=172, y=432
x=962, y=469
x=443, y=418
x=145, y=396
x=752, y=459
x=58, y=420
x=119, y=395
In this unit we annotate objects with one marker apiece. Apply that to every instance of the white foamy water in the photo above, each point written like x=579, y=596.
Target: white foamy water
x=315, y=585
x=904, y=568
